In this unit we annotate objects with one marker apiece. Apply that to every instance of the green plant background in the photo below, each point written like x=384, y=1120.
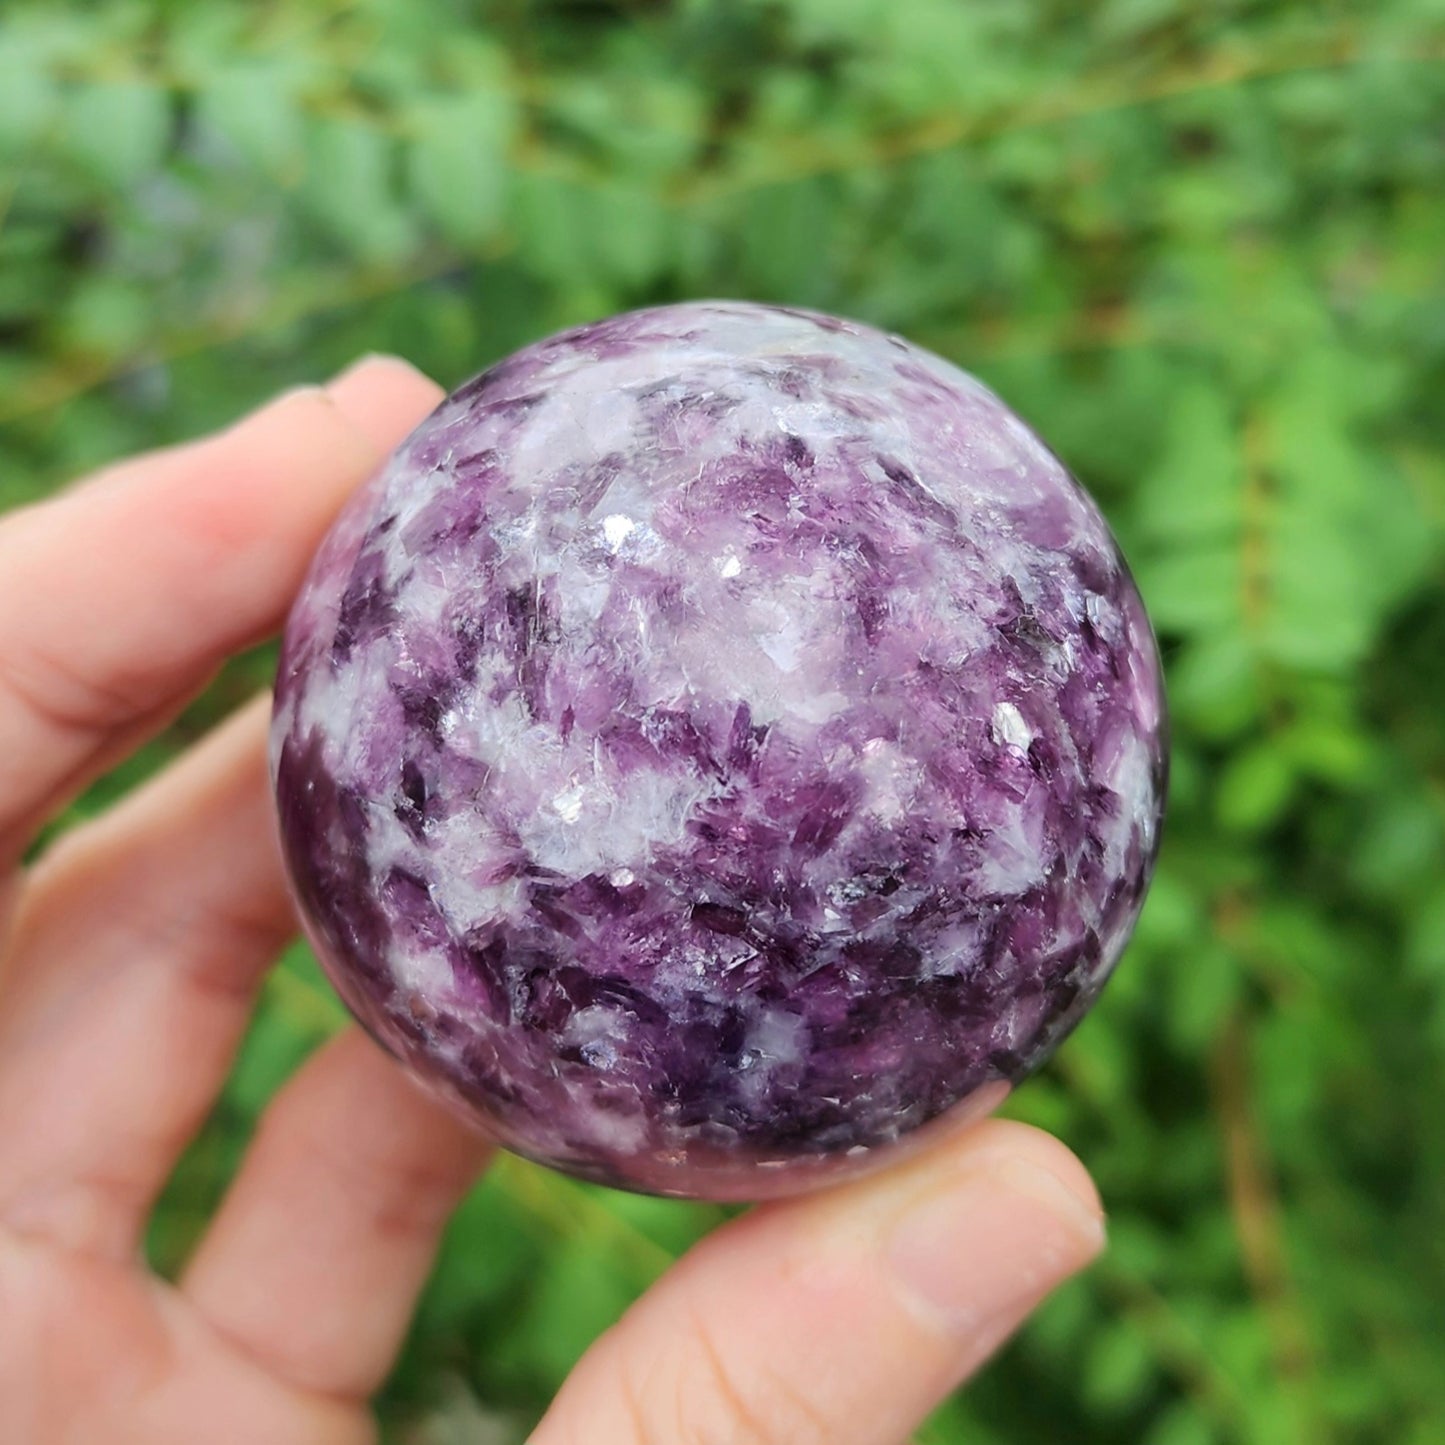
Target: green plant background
x=1199, y=244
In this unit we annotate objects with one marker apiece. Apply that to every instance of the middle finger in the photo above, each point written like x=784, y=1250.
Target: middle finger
x=136, y=953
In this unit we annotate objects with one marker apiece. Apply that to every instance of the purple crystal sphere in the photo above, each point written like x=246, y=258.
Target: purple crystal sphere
x=721, y=749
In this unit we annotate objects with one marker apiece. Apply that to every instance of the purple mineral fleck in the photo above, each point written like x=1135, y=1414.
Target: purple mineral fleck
x=721, y=749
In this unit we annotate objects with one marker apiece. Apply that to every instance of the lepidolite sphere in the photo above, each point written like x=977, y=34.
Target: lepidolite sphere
x=720, y=743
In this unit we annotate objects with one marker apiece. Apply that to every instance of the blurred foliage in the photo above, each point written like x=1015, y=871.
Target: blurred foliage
x=1198, y=243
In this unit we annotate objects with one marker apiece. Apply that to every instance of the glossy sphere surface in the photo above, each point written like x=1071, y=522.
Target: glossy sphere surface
x=722, y=741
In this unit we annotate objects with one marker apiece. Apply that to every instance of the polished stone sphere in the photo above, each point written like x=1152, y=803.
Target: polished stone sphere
x=721, y=749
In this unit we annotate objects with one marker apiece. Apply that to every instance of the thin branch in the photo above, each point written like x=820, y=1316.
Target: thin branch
x=1259, y=1226
x=68, y=380
x=1179, y=1349
x=1011, y=337
x=1092, y=96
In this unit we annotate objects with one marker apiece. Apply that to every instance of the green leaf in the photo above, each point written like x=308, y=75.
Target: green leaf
x=554, y=223
x=255, y=107
x=458, y=164
x=1255, y=788
x=1192, y=494
x=1057, y=1331
x=107, y=316
x=28, y=99
x=650, y=122
x=1347, y=535
x=485, y=1254
x=823, y=22
x=1425, y=947
x=787, y=231
x=1205, y=986
x=577, y=1294
x=1194, y=590
x=350, y=188
x=1120, y=1367
x=1127, y=18
x=1181, y=1424
x=634, y=235
x=1333, y=751
x=1171, y=915
x=118, y=130
x=1214, y=685
x=935, y=53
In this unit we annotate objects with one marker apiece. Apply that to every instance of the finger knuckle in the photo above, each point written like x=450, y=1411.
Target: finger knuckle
x=48, y=689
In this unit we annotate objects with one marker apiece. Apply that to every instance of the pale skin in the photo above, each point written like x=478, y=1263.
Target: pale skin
x=132, y=952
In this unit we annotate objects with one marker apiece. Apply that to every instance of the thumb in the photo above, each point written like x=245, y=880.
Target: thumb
x=845, y=1317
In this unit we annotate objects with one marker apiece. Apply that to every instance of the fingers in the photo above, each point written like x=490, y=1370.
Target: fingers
x=135, y=957
x=315, y=1260
x=96, y=1353
x=119, y=597
x=842, y=1319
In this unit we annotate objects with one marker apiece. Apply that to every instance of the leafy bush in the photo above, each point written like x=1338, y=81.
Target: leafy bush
x=1197, y=244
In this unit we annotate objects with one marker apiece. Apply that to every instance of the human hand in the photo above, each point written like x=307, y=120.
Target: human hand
x=132, y=951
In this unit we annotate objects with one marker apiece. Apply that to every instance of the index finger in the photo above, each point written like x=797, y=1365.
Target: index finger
x=119, y=597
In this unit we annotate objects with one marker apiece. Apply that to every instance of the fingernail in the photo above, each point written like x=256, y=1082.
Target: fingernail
x=373, y=360
x=992, y=1243
x=383, y=397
